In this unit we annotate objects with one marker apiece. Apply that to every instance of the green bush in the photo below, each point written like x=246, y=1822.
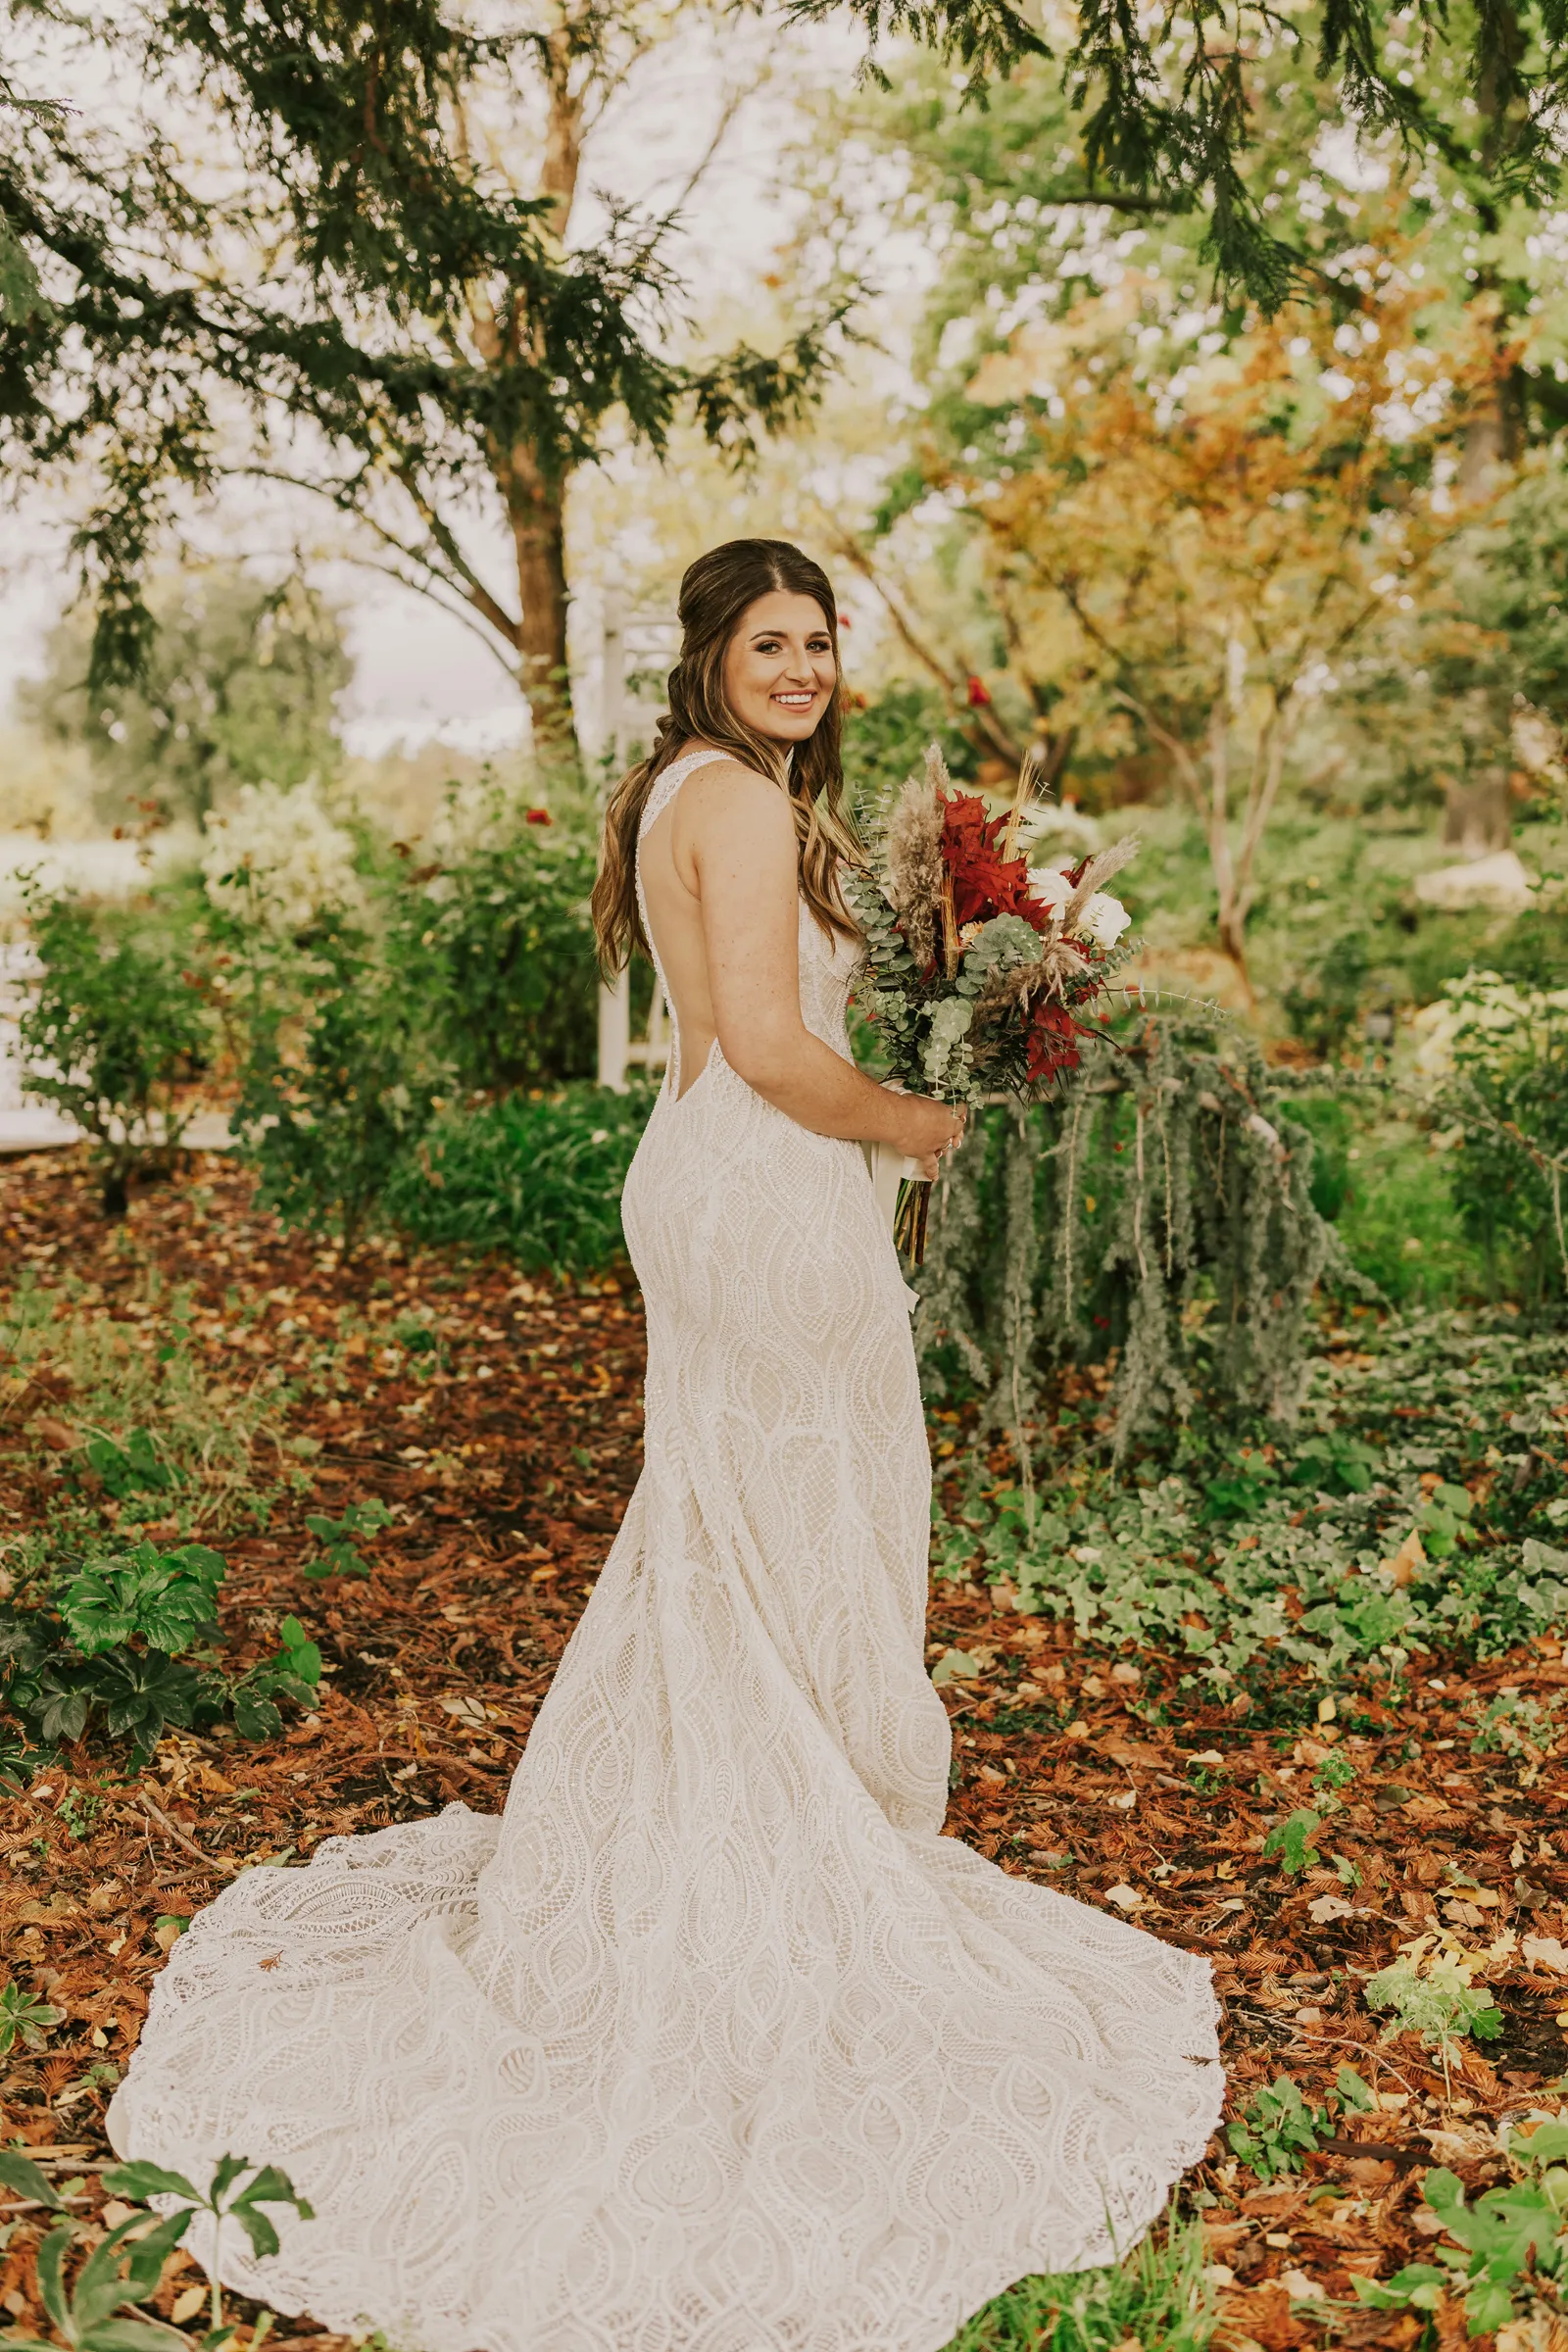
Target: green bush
x=535, y=1177
x=341, y=1077
x=1387, y=1190
x=117, y=1022
x=1504, y=1054
x=1325, y=1000
x=360, y=1019
x=498, y=942
x=886, y=741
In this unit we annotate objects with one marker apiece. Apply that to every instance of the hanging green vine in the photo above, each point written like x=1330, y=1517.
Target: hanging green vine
x=1158, y=1213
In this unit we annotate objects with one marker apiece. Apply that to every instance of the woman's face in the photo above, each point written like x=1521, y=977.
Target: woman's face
x=779, y=670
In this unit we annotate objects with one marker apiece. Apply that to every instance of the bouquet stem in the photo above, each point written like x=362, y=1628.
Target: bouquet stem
x=909, y=1218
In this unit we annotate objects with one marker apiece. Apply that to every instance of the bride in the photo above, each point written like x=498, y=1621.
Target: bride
x=711, y=2042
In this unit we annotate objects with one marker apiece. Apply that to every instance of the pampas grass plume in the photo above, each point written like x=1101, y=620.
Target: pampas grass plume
x=916, y=872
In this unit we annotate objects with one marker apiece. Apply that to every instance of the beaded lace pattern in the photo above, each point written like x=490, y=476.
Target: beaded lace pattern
x=710, y=2041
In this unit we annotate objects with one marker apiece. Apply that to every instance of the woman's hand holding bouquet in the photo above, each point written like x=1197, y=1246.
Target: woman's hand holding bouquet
x=978, y=965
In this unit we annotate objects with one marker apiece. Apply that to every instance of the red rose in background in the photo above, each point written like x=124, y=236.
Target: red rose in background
x=539, y=816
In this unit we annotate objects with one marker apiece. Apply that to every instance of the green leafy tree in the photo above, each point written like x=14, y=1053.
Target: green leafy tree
x=240, y=686
x=1163, y=110
x=391, y=289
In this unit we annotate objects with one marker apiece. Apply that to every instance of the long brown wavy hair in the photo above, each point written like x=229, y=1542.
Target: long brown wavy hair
x=716, y=594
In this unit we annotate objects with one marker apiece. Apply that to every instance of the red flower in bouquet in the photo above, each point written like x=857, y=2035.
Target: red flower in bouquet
x=985, y=881
x=1051, y=1050
x=981, y=973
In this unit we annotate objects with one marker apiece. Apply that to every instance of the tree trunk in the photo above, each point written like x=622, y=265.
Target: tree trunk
x=1230, y=904
x=1494, y=434
x=536, y=498
x=536, y=504
x=535, y=510
x=1477, y=812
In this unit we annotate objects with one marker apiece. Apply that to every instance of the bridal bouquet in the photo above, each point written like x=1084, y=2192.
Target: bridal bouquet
x=979, y=967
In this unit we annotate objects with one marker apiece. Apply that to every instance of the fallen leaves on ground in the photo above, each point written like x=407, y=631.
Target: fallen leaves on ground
x=506, y=1451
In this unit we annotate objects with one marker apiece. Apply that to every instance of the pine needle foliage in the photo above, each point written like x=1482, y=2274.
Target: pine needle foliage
x=372, y=287
x=1160, y=1207
x=1168, y=97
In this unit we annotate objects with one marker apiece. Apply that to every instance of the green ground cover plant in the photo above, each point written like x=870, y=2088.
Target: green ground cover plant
x=1438, y=2001
x=128, y=1644
x=1281, y=2129
x=340, y=1537
x=155, y=1424
x=124, y=2269
x=1507, y=2252
x=1417, y=1506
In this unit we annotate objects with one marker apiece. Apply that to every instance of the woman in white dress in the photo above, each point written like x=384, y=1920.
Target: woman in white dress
x=710, y=2042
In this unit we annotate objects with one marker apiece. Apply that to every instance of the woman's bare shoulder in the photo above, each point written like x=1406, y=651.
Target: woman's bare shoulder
x=726, y=790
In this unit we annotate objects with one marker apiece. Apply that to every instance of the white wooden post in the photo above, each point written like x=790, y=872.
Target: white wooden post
x=614, y=1031
x=614, y=997
x=618, y=1050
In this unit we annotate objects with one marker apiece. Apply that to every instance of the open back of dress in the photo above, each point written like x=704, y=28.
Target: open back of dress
x=711, y=2042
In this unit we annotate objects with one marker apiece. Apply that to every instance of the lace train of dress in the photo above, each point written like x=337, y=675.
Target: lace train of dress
x=710, y=2042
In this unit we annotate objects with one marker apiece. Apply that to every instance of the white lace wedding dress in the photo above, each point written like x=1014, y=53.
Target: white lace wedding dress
x=710, y=2042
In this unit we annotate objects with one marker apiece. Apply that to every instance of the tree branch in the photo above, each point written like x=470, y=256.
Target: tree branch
x=983, y=716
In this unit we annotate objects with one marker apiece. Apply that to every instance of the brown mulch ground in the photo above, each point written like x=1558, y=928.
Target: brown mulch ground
x=509, y=1459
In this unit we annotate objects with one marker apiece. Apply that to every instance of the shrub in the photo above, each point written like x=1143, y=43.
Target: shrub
x=1500, y=1055
x=114, y=1024
x=339, y=1081
x=1384, y=1184
x=280, y=859
x=497, y=939
x=535, y=1177
x=886, y=741
x=1324, y=1001
x=1161, y=1208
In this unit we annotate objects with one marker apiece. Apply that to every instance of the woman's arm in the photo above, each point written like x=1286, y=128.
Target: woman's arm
x=738, y=835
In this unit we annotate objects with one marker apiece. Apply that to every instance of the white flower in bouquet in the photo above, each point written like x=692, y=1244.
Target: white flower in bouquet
x=279, y=859
x=1051, y=887
x=1102, y=919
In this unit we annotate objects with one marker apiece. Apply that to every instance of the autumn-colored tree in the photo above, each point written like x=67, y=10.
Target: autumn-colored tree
x=1182, y=553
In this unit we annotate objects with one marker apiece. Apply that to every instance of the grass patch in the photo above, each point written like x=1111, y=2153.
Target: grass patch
x=152, y=1430
x=1159, y=2298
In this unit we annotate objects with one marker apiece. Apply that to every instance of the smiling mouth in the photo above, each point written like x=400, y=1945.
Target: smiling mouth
x=795, y=702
